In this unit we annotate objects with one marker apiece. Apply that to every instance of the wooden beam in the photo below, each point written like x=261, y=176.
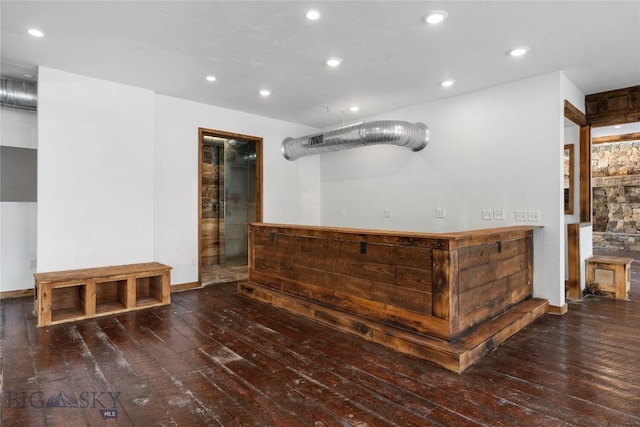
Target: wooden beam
x=613, y=107
x=635, y=136
x=572, y=113
x=573, y=249
x=585, y=173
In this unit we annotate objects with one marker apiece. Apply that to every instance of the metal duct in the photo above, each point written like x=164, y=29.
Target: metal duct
x=390, y=132
x=17, y=94
x=237, y=143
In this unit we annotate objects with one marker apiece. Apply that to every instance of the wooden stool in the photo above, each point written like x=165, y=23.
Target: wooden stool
x=608, y=276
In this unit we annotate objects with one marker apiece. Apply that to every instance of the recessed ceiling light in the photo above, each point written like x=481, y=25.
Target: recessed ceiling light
x=265, y=92
x=518, y=51
x=312, y=15
x=354, y=108
x=211, y=78
x=447, y=83
x=35, y=32
x=334, y=62
x=435, y=17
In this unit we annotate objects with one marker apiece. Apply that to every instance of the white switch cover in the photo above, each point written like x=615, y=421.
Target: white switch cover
x=533, y=216
x=498, y=214
x=487, y=214
x=387, y=213
x=521, y=215
x=441, y=213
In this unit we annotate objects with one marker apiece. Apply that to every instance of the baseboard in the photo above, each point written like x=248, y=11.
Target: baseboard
x=184, y=287
x=558, y=310
x=17, y=294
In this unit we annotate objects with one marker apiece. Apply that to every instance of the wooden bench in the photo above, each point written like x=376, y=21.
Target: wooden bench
x=608, y=276
x=67, y=296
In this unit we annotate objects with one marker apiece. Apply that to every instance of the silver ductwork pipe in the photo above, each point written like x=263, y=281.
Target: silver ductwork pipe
x=386, y=132
x=19, y=95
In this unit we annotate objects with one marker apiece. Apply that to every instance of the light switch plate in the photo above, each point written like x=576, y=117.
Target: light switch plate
x=521, y=215
x=441, y=213
x=487, y=214
x=533, y=216
x=498, y=214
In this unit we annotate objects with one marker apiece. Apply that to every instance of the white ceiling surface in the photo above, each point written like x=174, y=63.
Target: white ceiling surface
x=391, y=58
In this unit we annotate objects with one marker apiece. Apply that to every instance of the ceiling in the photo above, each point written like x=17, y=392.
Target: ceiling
x=391, y=58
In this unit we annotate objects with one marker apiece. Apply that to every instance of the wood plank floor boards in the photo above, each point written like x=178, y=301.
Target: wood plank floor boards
x=234, y=337
x=216, y=358
x=346, y=354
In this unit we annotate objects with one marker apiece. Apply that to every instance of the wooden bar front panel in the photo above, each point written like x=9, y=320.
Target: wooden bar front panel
x=440, y=285
x=493, y=277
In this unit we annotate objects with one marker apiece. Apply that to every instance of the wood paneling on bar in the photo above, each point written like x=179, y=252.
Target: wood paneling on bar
x=443, y=286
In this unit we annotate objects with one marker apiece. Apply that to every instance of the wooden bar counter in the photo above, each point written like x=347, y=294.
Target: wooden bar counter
x=448, y=298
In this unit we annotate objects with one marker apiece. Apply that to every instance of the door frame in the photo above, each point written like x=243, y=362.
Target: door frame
x=584, y=201
x=202, y=132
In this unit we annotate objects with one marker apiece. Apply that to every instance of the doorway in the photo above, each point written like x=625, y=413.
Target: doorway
x=230, y=188
x=577, y=218
x=616, y=186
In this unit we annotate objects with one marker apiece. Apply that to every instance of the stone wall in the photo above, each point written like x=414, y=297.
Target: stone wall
x=616, y=196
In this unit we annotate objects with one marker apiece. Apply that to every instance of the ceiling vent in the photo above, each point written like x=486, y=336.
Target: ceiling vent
x=19, y=95
x=380, y=132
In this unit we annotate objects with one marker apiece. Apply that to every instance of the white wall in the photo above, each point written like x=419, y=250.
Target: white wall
x=118, y=173
x=291, y=189
x=17, y=219
x=95, y=172
x=499, y=148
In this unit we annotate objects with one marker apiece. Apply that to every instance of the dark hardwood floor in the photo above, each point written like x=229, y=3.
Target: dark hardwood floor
x=215, y=358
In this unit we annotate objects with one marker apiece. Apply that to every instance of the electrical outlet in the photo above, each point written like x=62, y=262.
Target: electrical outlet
x=487, y=214
x=441, y=213
x=521, y=215
x=498, y=214
x=533, y=216
x=387, y=213
x=32, y=263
